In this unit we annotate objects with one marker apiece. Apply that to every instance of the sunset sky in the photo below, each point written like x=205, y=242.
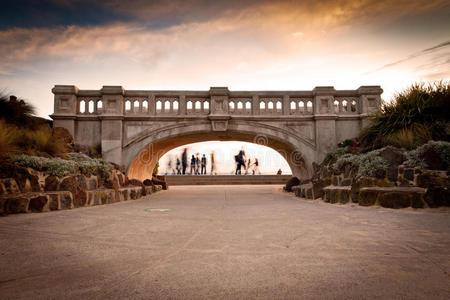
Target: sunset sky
x=242, y=44
x=195, y=44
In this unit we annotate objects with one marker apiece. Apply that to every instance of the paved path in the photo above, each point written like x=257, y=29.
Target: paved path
x=226, y=242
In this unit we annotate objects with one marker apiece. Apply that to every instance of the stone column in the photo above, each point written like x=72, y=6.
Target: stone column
x=286, y=107
x=369, y=102
x=65, y=107
x=112, y=123
x=325, y=121
x=219, y=114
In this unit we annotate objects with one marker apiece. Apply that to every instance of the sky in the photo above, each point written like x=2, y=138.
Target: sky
x=242, y=44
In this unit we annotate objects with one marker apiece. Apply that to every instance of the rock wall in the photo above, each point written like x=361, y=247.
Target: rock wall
x=394, y=187
x=24, y=190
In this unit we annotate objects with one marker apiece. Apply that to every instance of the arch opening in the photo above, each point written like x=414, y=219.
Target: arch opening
x=142, y=163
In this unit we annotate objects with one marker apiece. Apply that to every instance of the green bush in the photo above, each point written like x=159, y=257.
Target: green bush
x=366, y=163
x=414, y=158
x=416, y=115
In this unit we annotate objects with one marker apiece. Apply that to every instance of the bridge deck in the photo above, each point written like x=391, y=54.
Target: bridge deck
x=226, y=179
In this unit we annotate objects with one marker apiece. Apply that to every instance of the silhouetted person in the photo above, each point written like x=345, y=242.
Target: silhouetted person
x=192, y=164
x=178, y=166
x=184, y=160
x=213, y=164
x=248, y=165
x=256, y=168
x=279, y=172
x=203, y=171
x=240, y=161
x=197, y=165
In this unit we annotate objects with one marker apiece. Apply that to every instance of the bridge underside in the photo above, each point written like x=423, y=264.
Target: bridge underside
x=142, y=165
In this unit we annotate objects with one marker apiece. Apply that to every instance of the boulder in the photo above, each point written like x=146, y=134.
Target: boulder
x=63, y=135
x=367, y=197
x=392, y=155
x=160, y=180
x=148, y=182
x=77, y=185
x=38, y=203
x=395, y=200
x=21, y=175
x=9, y=186
x=434, y=160
x=18, y=204
x=51, y=183
x=293, y=181
x=136, y=182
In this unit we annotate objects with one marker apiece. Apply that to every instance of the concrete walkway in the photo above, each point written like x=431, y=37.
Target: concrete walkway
x=226, y=242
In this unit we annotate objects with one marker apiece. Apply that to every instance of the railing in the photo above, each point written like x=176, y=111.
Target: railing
x=173, y=105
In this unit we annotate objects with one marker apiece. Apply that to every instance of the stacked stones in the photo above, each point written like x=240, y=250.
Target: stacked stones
x=25, y=190
x=395, y=187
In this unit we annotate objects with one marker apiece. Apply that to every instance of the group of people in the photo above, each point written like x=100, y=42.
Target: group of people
x=242, y=162
x=197, y=164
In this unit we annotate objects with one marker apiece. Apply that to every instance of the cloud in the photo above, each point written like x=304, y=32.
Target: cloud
x=415, y=55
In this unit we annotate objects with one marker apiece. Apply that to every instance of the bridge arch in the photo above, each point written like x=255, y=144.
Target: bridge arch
x=142, y=153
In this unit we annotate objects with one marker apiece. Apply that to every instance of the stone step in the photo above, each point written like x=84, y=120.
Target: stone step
x=393, y=197
x=337, y=194
x=226, y=179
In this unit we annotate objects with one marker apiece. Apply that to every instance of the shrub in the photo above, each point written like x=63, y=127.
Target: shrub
x=53, y=166
x=334, y=155
x=366, y=163
x=78, y=164
x=414, y=158
x=416, y=115
x=7, y=140
x=40, y=142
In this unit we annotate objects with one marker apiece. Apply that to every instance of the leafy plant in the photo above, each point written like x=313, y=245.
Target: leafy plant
x=414, y=158
x=416, y=115
x=366, y=163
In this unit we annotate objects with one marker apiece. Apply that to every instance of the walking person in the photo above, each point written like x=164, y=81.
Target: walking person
x=256, y=168
x=192, y=165
x=213, y=165
x=247, y=167
x=184, y=160
x=203, y=171
x=240, y=161
x=178, y=166
x=197, y=165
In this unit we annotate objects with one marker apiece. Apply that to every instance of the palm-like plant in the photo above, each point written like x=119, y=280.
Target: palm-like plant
x=16, y=111
x=416, y=115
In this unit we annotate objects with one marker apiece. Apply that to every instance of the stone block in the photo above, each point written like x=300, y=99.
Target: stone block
x=38, y=203
x=17, y=204
x=77, y=186
x=66, y=200
x=51, y=183
x=53, y=201
x=367, y=197
x=10, y=186
x=395, y=200
x=409, y=174
x=392, y=174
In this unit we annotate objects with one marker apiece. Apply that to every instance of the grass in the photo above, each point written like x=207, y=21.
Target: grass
x=415, y=116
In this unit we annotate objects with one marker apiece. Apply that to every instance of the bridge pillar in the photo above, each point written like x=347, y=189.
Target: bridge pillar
x=112, y=123
x=65, y=107
x=325, y=121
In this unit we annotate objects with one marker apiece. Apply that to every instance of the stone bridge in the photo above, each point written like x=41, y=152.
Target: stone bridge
x=135, y=128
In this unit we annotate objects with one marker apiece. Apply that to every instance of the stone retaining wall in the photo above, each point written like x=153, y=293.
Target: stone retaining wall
x=28, y=190
x=395, y=187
